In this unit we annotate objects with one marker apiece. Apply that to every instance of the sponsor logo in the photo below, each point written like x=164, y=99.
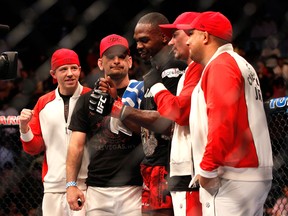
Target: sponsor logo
x=172, y=72
x=148, y=94
x=278, y=103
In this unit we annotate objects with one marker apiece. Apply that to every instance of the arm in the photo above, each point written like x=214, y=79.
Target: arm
x=177, y=108
x=145, y=118
x=133, y=118
x=73, y=164
x=30, y=131
x=221, y=92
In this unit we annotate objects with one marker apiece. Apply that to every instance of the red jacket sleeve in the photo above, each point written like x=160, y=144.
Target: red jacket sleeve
x=229, y=139
x=177, y=108
x=37, y=145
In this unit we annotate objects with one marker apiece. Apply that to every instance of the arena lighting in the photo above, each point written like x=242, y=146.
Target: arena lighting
x=8, y=60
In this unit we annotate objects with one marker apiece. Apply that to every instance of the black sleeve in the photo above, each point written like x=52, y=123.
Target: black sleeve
x=171, y=82
x=80, y=116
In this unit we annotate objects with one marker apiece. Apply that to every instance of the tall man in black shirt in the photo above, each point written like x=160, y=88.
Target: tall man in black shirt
x=152, y=46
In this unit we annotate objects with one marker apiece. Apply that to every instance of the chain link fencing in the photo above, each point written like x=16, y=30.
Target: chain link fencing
x=21, y=189
x=277, y=117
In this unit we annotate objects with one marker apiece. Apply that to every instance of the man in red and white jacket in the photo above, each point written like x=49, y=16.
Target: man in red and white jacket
x=230, y=138
x=177, y=108
x=45, y=129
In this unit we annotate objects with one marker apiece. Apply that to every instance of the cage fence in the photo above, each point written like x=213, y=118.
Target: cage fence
x=21, y=188
x=277, y=118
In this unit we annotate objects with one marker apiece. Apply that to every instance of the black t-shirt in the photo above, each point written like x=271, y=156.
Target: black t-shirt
x=114, y=158
x=157, y=146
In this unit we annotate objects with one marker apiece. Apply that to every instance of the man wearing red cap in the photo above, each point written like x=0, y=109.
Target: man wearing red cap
x=45, y=129
x=177, y=108
x=114, y=180
x=230, y=138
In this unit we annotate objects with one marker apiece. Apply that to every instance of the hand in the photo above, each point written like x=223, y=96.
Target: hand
x=108, y=86
x=75, y=198
x=25, y=117
x=151, y=78
x=209, y=184
x=100, y=102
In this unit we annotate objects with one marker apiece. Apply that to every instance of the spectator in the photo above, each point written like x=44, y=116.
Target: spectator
x=279, y=87
x=264, y=27
x=266, y=75
x=26, y=87
x=270, y=47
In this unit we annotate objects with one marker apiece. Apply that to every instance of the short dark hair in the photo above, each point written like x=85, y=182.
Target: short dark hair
x=154, y=18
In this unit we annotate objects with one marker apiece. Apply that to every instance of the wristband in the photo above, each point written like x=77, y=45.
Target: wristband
x=71, y=184
x=22, y=132
x=117, y=108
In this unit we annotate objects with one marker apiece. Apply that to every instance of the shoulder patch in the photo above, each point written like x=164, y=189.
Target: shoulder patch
x=172, y=72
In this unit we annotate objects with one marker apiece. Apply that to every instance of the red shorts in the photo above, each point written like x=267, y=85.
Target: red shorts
x=155, y=193
x=193, y=204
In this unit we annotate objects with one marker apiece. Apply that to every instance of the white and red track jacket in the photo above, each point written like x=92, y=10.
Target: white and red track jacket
x=177, y=108
x=49, y=133
x=228, y=126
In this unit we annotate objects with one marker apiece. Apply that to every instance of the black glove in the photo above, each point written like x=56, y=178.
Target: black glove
x=103, y=104
x=151, y=78
x=100, y=102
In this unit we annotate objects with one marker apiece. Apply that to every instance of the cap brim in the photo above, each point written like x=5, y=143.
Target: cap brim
x=118, y=48
x=184, y=27
x=168, y=29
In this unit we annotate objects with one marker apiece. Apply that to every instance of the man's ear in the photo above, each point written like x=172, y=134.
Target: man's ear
x=52, y=73
x=206, y=37
x=130, y=62
x=165, y=38
x=100, y=63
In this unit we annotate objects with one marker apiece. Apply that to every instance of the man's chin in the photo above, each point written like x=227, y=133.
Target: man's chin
x=71, y=83
x=117, y=76
x=145, y=57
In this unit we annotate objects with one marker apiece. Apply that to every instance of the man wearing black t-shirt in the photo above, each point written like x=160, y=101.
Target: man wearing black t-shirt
x=114, y=179
x=152, y=46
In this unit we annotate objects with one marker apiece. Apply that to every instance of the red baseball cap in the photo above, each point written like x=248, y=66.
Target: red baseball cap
x=64, y=56
x=112, y=40
x=184, y=18
x=215, y=23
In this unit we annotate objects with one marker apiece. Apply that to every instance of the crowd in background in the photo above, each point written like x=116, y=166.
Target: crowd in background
x=264, y=49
